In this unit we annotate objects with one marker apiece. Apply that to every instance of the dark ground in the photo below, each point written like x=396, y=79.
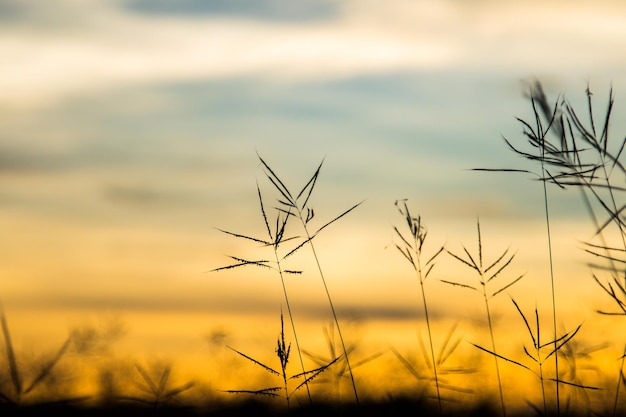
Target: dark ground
x=397, y=407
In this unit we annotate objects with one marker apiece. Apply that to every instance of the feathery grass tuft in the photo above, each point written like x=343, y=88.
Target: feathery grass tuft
x=415, y=367
x=276, y=238
x=154, y=385
x=537, y=354
x=411, y=248
x=300, y=208
x=21, y=389
x=487, y=275
x=282, y=352
x=339, y=371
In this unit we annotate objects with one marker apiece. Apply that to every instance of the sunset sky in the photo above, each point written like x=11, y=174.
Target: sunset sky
x=129, y=132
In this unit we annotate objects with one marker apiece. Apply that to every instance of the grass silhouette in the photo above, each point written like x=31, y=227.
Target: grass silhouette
x=486, y=274
x=539, y=357
x=275, y=239
x=20, y=390
x=411, y=248
x=339, y=370
x=297, y=205
x=444, y=353
x=283, y=351
x=570, y=154
x=154, y=385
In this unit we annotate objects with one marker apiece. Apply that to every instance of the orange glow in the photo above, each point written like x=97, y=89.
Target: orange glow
x=130, y=137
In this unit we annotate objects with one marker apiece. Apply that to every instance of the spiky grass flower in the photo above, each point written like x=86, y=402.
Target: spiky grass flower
x=444, y=353
x=20, y=391
x=577, y=154
x=339, y=370
x=411, y=247
x=276, y=238
x=560, y=163
x=578, y=358
x=282, y=352
x=155, y=386
x=486, y=274
x=298, y=206
x=537, y=354
x=603, y=195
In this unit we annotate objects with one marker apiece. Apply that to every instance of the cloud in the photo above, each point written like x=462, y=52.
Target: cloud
x=279, y=10
x=49, y=55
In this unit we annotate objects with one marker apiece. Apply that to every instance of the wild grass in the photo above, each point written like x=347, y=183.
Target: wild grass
x=338, y=372
x=283, y=351
x=570, y=154
x=537, y=354
x=411, y=247
x=298, y=206
x=21, y=389
x=578, y=358
x=444, y=370
x=275, y=238
x=486, y=275
x=582, y=157
x=548, y=155
x=154, y=386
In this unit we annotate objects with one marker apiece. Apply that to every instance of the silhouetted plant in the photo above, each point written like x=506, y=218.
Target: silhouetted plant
x=578, y=359
x=339, y=371
x=21, y=391
x=561, y=157
x=298, y=206
x=486, y=274
x=447, y=348
x=276, y=237
x=411, y=248
x=155, y=386
x=581, y=156
x=283, y=351
x=539, y=357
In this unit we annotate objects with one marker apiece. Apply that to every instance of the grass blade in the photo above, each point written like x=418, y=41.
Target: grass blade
x=501, y=357
x=15, y=374
x=267, y=368
x=49, y=366
x=337, y=218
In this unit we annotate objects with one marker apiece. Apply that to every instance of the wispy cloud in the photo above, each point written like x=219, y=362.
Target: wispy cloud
x=52, y=53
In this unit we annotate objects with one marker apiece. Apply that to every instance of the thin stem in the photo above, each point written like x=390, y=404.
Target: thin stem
x=619, y=382
x=332, y=307
x=493, y=346
x=556, y=353
x=293, y=328
x=430, y=337
x=543, y=388
x=621, y=229
x=611, y=259
x=613, y=267
x=542, y=138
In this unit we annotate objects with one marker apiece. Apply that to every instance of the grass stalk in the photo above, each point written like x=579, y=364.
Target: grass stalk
x=430, y=338
x=20, y=388
x=595, y=184
x=332, y=307
x=341, y=368
x=553, y=292
x=156, y=389
x=299, y=207
x=486, y=275
x=411, y=249
x=558, y=156
x=275, y=239
x=282, y=351
x=539, y=357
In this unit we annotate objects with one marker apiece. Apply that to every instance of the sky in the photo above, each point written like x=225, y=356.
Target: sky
x=130, y=132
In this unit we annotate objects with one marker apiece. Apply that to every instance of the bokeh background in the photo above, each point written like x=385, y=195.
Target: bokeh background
x=129, y=132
